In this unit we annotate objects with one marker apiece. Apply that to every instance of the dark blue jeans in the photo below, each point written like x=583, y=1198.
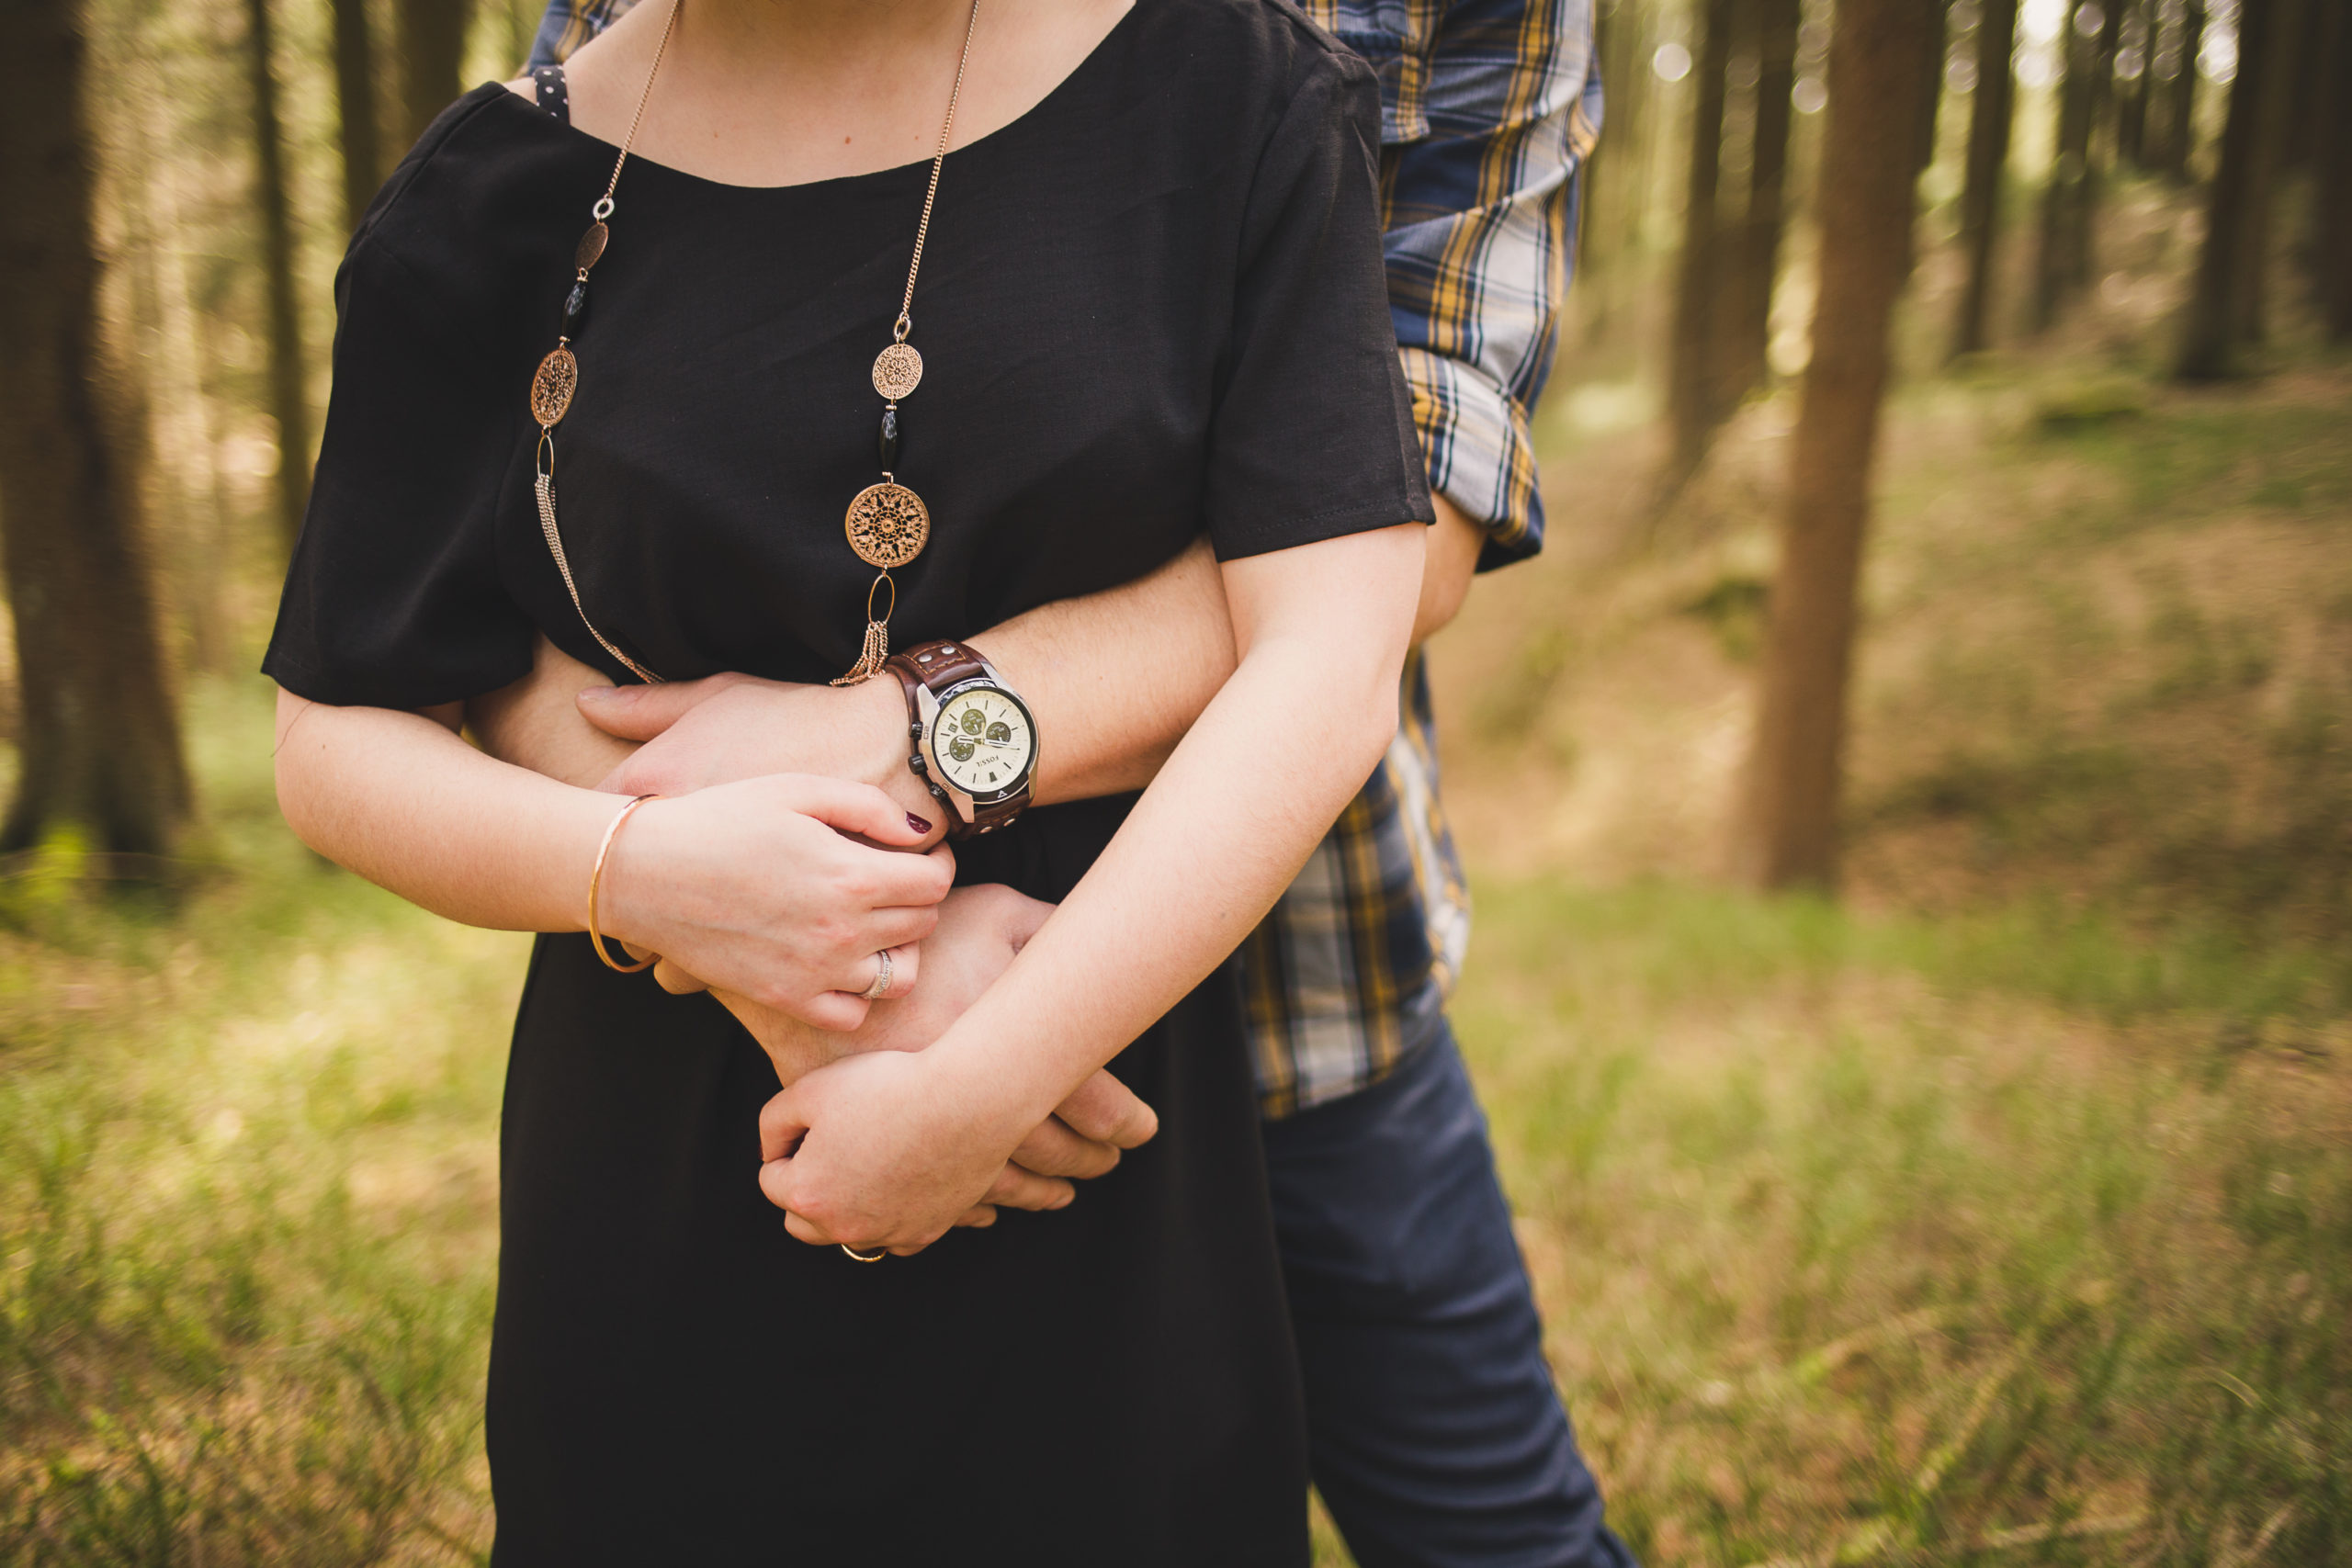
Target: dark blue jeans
x=1435, y=1432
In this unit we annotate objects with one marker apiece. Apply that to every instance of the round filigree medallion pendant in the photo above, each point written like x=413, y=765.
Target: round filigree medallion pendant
x=887, y=526
x=552, y=389
x=898, y=370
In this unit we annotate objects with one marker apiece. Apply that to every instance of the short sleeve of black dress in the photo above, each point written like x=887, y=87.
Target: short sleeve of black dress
x=393, y=598
x=1312, y=436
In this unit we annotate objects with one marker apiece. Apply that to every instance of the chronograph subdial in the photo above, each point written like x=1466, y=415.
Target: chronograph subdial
x=982, y=741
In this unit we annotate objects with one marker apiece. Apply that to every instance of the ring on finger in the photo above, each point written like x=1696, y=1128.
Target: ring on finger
x=884, y=966
x=877, y=1255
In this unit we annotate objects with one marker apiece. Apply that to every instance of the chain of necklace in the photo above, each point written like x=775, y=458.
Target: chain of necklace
x=887, y=523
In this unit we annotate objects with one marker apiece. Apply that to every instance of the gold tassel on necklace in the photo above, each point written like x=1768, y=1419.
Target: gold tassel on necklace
x=878, y=637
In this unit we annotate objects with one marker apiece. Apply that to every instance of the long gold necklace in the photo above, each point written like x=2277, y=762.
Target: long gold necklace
x=887, y=523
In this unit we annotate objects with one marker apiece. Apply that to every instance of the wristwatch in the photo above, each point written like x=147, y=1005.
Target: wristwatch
x=975, y=744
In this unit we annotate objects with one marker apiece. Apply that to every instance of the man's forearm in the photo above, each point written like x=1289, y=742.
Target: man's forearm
x=535, y=722
x=1118, y=678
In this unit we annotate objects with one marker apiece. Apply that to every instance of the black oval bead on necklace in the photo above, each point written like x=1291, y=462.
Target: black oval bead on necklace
x=575, y=308
x=889, y=443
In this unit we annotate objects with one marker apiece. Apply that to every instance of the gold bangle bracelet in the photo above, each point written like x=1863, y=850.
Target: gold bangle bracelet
x=595, y=884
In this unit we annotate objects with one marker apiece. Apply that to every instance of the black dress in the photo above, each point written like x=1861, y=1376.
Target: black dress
x=1153, y=306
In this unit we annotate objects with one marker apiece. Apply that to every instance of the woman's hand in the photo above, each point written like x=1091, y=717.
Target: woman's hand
x=860, y=1182
x=980, y=929
x=754, y=889
x=978, y=932
x=888, y=1150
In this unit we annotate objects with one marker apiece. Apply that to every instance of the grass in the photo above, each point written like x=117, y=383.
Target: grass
x=1869, y=1240
x=247, y=1205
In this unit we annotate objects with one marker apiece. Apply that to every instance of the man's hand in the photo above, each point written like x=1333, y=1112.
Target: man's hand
x=695, y=734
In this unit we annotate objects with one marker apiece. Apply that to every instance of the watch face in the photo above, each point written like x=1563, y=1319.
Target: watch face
x=983, y=740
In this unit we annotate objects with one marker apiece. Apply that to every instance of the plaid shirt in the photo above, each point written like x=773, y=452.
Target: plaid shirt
x=1488, y=108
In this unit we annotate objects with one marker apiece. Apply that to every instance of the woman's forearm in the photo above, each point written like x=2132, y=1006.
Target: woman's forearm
x=400, y=799
x=1273, y=759
x=757, y=887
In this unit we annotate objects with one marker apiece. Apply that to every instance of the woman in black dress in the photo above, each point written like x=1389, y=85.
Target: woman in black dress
x=1151, y=306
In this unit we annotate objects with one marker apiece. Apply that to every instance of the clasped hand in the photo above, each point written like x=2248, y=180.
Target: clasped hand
x=856, y=1149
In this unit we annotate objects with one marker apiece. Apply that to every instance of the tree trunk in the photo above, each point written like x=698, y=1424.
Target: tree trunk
x=2332, y=191
x=433, y=59
x=1613, y=184
x=356, y=105
x=190, y=557
x=2131, y=92
x=2307, y=77
x=2180, y=110
x=1749, y=335
x=1693, y=396
x=1988, y=157
x=2279, y=53
x=1876, y=60
x=289, y=401
x=2082, y=246
x=2053, y=271
x=1931, y=96
x=2226, y=301
x=100, y=745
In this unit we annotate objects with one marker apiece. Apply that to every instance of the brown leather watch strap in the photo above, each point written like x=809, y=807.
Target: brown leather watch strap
x=938, y=666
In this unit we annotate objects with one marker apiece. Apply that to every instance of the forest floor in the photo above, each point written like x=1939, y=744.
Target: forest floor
x=2003, y=1214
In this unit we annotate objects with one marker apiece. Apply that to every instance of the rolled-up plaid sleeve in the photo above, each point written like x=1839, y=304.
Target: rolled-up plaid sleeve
x=1480, y=241
x=568, y=23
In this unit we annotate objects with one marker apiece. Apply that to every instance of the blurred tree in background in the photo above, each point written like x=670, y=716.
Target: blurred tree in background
x=99, y=741
x=1880, y=69
x=433, y=49
x=2332, y=236
x=1765, y=63
x=1992, y=81
x=168, y=238
x=288, y=375
x=2176, y=64
x=358, y=107
x=1694, y=391
x=2225, y=310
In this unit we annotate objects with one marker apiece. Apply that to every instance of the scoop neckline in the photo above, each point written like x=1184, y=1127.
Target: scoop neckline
x=1034, y=111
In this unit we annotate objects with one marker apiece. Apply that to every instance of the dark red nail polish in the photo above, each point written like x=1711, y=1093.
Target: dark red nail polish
x=917, y=823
